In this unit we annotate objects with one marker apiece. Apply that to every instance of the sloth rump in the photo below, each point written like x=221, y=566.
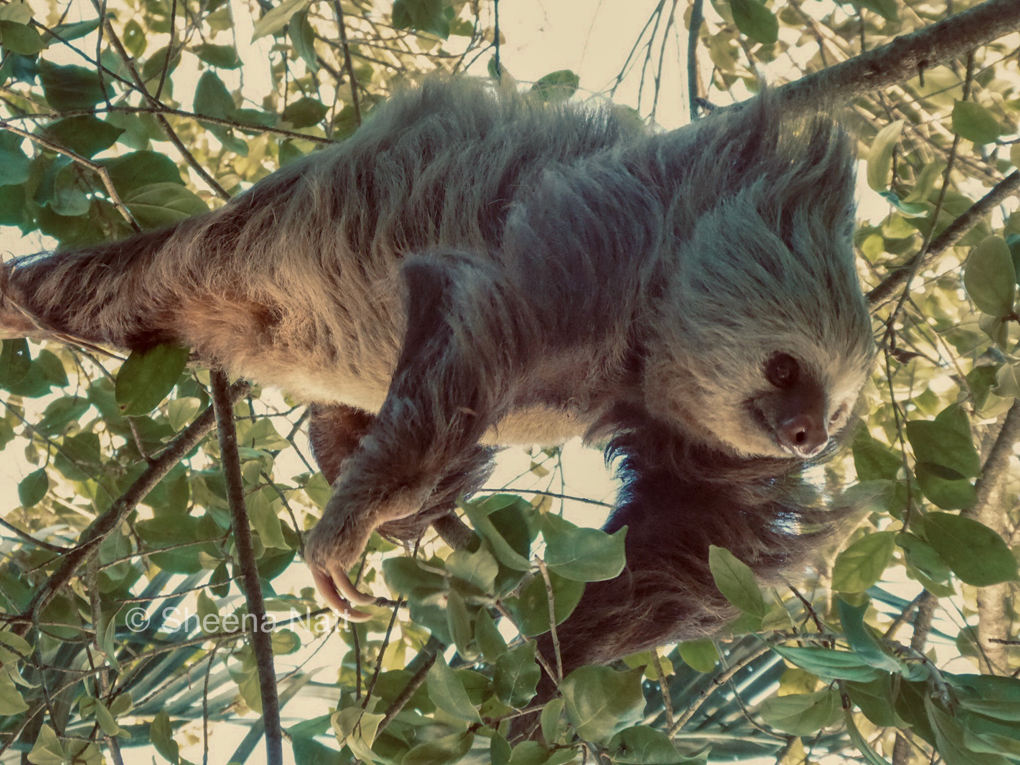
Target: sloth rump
x=471, y=270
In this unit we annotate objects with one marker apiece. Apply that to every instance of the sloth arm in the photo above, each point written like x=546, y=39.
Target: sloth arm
x=462, y=354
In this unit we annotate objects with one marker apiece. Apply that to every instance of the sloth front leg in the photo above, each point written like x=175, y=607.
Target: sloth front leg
x=451, y=382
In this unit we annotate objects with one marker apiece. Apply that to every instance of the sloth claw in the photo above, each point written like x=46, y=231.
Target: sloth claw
x=331, y=587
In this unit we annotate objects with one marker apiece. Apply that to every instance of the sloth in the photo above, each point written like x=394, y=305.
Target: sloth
x=473, y=269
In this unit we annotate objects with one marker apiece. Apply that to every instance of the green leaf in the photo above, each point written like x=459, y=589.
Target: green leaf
x=18, y=11
x=499, y=750
x=356, y=728
x=755, y=20
x=152, y=69
x=700, y=655
x=875, y=700
x=71, y=87
x=47, y=749
x=863, y=643
x=944, y=487
x=828, y=663
x=277, y=18
x=262, y=514
x=584, y=555
x=68, y=32
x=458, y=619
x=477, y=513
x=951, y=738
x=212, y=97
x=735, y=581
x=84, y=135
x=161, y=735
x=440, y=751
x=20, y=38
x=975, y=123
x=59, y=413
x=303, y=37
x=870, y=755
x=147, y=378
x=601, y=701
x=33, y=487
x=943, y=444
x=11, y=701
x=478, y=568
x=922, y=556
x=181, y=411
x=989, y=695
x=305, y=112
x=15, y=362
x=886, y=8
x=556, y=86
x=881, y=154
x=516, y=675
x=531, y=608
x=423, y=15
x=161, y=204
x=220, y=56
x=490, y=642
x=407, y=577
x=141, y=168
x=106, y=722
x=975, y=553
x=552, y=720
x=643, y=745
x=447, y=692
x=926, y=180
x=861, y=564
x=802, y=714
x=990, y=278
x=133, y=38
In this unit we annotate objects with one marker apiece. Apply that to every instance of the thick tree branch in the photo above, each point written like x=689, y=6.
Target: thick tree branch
x=261, y=635
x=904, y=57
x=993, y=611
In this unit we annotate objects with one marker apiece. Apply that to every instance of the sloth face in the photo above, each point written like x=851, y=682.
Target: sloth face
x=791, y=403
x=797, y=413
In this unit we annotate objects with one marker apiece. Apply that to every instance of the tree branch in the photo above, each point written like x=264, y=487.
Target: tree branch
x=953, y=233
x=993, y=612
x=261, y=635
x=903, y=58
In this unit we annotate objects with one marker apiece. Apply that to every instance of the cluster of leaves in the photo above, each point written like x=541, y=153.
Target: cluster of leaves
x=162, y=125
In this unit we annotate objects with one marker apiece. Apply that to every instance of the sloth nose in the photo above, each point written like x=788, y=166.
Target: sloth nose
x=803, y=435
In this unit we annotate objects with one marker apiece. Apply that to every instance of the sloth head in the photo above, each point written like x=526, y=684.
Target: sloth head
x=764, y=339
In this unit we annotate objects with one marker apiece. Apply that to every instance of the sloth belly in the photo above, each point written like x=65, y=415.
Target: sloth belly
x=544, y=425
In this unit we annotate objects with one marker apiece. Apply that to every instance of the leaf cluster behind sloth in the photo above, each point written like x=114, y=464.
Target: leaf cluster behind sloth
x=471, y=270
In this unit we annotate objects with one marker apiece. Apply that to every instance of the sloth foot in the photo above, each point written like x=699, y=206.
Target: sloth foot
x=339, y=539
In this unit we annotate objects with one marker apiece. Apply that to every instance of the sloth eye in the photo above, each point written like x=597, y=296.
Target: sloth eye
x=782, y=370
x=838, y=413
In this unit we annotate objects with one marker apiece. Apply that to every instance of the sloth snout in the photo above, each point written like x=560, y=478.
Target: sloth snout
x=803, y=435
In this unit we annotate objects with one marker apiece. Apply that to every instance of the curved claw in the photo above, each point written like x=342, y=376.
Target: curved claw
x=327, y=587
x=352, y=594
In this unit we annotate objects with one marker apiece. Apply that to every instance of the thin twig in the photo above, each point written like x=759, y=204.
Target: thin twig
x=95, y=167
x=552, y=619
x=348, y=64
